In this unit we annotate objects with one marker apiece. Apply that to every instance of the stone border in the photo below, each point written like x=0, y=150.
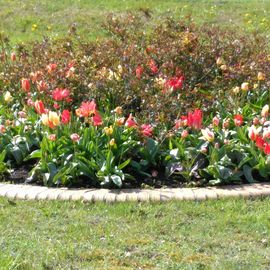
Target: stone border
x=28, y=192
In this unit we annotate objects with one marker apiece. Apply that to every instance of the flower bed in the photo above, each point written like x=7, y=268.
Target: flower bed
x=179, y=105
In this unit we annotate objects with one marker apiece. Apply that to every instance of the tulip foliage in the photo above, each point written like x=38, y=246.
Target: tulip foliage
x=175, y=106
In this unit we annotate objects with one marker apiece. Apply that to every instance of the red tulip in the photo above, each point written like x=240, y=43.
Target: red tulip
x=238, y=120
x=60, y=94
x=130, y=122
x=51, y=68
x=175, y=83
x=267, y=149
x=153, y=66
x=97, y=120
x=260, y=142
x=39, y=107
x=139, y=72
x=25, y=84
x=65, y=117
x=147, y=130
x=87, y=109
x=13, y=57
x=194, y=119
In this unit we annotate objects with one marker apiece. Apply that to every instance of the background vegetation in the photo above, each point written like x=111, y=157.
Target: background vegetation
x=28, y=19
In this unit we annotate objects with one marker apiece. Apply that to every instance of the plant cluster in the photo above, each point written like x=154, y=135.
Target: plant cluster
x=183, y=103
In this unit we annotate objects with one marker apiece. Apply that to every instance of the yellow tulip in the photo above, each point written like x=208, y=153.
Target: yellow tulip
x=8, y=97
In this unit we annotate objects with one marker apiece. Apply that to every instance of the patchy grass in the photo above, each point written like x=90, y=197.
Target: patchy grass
x=28, y=19
x=223, y=234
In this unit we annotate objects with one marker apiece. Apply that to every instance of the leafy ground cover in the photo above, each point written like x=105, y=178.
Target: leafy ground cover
x=223, y=234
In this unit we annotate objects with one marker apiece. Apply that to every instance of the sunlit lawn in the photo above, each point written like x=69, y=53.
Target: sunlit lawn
x=223, y=234
x=29, y=19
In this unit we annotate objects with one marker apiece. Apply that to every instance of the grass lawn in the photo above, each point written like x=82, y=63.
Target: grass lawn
x=29, y=19
x=223, y=234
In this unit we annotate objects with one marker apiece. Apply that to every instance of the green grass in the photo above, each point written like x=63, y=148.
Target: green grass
x=53, y=18
x=223, y=234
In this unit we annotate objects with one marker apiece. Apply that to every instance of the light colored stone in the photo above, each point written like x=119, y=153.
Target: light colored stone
x=188, y=194
x=77, y=195
x=154, y=195
x=66, y=195
x=110, y=197
x=100, y=196
x=88, y=196
x=32, y=194
x=121, y=196
x=6, y=188
x=140, y=195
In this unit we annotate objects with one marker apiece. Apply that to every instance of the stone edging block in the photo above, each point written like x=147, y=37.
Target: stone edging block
x=28, y=192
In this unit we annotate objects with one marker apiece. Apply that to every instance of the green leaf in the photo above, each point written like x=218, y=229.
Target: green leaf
x=34, y=154
x=17, y=154
x=124, y=164
x=248, y=173
x=116, y=180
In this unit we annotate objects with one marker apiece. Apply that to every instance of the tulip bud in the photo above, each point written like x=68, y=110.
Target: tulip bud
x=118, y=110
x=13, y=57
x=108, y=130
x=204, y=150
x=262, y=120
x=226, y=123
x=220, y=61
x=25, y=84
x=75, y=137
x=208, y=135
x=8, y=97
x=265, y=111
x=223, y=67
x=236, y=90
x=216, y=145
x=256, y=121
x=22, y=114
x=52, y=137
x=215, y=121
x=184, y=134
x=112, y=142
x=120, y=121
x=261, y=76
x=2, y=129
x=245, y=86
